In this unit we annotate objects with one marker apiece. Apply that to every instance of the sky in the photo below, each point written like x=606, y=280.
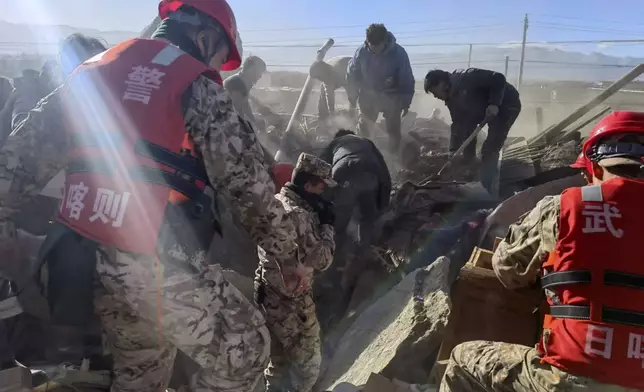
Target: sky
x=425, y=26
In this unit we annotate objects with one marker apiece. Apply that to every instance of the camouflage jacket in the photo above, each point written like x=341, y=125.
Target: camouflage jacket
x=234, y=159
x=316, y=242
x=517, y=261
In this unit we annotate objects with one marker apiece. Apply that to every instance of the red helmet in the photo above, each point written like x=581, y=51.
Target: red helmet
x=611, y=125
x=282, y=172
x=218, y=10
x=580, y=163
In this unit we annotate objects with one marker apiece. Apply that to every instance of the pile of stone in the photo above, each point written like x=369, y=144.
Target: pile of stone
x=398, y=335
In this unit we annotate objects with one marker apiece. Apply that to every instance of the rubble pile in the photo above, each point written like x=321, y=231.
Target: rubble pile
x=397, y=336
x=431, y=162
x=431, y=134
x=560, y=155
x=417, y=211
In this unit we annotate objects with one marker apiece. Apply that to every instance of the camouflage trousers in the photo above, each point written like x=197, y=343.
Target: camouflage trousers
x=150, y=310
x=503, y=367
x=295, y=351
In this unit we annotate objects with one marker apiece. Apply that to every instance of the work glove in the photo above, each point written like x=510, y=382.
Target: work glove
x=491, y=111
x=405, y=112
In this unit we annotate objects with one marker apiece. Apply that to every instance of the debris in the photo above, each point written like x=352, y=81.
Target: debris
x=431, y=162
x=510, y=210
x=560, y=155
x=396, y=336
x=415, y=211
x=17, y=379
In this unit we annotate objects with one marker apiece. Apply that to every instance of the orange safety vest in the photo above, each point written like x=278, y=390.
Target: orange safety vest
x=594, y=282
x=131, y=163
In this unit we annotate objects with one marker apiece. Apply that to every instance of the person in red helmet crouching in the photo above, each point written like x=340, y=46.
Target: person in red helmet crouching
x=584, y=248
x=148, y=138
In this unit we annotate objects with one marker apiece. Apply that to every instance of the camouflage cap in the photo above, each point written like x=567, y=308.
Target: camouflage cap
x=313, y=165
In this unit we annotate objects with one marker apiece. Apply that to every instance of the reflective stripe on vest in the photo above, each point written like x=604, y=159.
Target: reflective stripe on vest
x=610, y=278
x=594, y=283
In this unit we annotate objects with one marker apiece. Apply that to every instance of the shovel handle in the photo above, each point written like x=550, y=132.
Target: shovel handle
x=466, y=143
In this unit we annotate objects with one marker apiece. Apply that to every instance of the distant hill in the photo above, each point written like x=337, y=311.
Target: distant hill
x=20, y=38
x=542, y=63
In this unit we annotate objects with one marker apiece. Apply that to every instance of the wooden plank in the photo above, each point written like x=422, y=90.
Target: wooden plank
x=481, y=258
x=15, y=379
x=483, y=309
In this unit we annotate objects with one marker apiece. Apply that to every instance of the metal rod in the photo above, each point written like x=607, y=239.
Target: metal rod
x=539, y=115
x=304, y=97
x=469, y=58
x=522, y=61
x=599, y=114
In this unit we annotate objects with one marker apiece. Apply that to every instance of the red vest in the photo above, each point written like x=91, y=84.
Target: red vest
x=130, y=156
x=594, y=282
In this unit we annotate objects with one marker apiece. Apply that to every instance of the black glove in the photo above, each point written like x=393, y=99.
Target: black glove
x=326, y=213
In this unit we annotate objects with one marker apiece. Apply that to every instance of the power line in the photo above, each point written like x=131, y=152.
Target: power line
x=557, y=26
x=488, y=61
x=364, y=25
x=429, y=44
x=402, y=34
x=567, y=42
x=620, y=22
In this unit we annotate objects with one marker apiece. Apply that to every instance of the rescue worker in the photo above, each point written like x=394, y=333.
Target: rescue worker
x=474, y=96
x=380, y=79
x=290, y=312
x=63, y=342
x=583, y=247
x=333, y=75
x=240, y=84
x=148, y=135
x=360, y=169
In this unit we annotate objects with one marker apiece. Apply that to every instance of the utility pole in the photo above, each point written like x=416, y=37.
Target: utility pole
x=525, y=34
x=507, y=62
x=469, y=58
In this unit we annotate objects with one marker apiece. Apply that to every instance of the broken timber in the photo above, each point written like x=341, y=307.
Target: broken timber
x=483, y=309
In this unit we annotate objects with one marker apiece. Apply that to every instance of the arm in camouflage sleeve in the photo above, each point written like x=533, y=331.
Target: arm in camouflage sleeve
x=32, y=155
x=320, y=242
x=517, y=261
x=235, y=162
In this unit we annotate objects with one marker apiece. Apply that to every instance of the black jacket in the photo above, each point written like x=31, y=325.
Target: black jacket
x=473, y=90
x=351, y=155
